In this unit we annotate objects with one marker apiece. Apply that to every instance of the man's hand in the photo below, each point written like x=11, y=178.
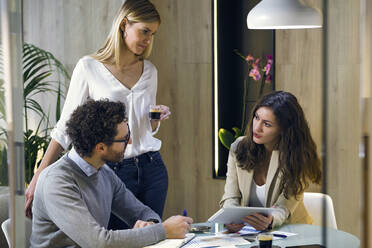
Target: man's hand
x=259, y=221
x=176, y=227
x=141, y=223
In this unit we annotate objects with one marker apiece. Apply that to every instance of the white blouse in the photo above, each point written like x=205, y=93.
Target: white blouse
x=257, y=195
x=257, y=198
x=91, y=79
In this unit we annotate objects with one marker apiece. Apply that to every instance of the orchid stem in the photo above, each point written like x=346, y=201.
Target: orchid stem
x=239, y=54
x=244, y=102
x=262, y=85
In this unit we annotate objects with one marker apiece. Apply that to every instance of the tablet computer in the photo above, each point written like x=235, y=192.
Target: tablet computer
x=234, y=215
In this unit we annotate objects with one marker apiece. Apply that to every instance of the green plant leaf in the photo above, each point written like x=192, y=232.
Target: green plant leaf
x=226, y=137
x=35, y=106
x=3, y=167
x=58, y=103
x=36, y=85
x=237, y=131
x=30, y=52
x=2, y=101
x=38, y=67
x=35, y=68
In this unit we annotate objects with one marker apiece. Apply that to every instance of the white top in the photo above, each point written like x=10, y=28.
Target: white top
x=91, y=79
x=257, y=195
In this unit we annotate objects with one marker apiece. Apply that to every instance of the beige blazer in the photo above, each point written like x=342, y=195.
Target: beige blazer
x=238, y=185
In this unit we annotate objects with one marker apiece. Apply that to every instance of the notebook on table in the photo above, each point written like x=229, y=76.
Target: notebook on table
x=173, y=243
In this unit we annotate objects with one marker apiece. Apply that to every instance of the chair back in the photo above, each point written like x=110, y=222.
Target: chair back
x=6, y=229
x=314, y=205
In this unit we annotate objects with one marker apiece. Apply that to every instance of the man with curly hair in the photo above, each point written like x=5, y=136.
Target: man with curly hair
x=75, y=196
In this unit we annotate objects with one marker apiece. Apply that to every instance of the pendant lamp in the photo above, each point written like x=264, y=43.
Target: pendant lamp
x=283, y=14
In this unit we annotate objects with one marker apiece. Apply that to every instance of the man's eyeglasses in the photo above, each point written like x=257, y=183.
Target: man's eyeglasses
x=126, y=139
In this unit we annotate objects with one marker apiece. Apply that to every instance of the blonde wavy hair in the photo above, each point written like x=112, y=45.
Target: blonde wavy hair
x=134, y=11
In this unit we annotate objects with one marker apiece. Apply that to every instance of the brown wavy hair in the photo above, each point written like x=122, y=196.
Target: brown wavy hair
x=299, y=163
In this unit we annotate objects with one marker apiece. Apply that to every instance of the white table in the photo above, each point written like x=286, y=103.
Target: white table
x=310, y=234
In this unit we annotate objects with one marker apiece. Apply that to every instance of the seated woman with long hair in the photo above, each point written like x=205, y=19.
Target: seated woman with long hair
x=273, y=164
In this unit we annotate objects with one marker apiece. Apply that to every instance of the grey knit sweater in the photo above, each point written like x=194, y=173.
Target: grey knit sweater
x=72, y=207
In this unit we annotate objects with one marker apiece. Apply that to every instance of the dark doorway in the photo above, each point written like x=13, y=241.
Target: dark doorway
x=231, y=32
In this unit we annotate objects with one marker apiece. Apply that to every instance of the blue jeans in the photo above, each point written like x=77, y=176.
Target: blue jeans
x=146, y=176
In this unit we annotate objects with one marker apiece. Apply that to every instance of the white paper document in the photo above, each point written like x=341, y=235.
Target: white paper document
x=173, y=243
x=216, y=240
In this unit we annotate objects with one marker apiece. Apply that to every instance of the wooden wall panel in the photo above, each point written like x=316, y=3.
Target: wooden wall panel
x=368, y=230
x=367, y=225
x=69, y=29
x=298, y=70
x=299, y=54
x=367, y=125
x=183, y=55
x=344, y=126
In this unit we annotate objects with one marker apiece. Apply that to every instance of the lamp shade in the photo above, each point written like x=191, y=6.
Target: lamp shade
x=283, y=14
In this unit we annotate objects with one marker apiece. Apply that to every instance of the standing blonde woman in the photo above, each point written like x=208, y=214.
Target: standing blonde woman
x=119, y=71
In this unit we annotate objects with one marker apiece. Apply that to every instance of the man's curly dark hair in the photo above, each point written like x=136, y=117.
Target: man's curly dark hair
x=94, y=122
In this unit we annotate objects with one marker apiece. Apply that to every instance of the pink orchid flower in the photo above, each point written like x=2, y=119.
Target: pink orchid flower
x=249, y=58
x=267, y=69
x=255, y=74
x=256, y=64
x=269, y=58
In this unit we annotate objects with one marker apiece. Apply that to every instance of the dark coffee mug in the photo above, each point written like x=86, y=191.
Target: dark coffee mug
x=265, y=240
